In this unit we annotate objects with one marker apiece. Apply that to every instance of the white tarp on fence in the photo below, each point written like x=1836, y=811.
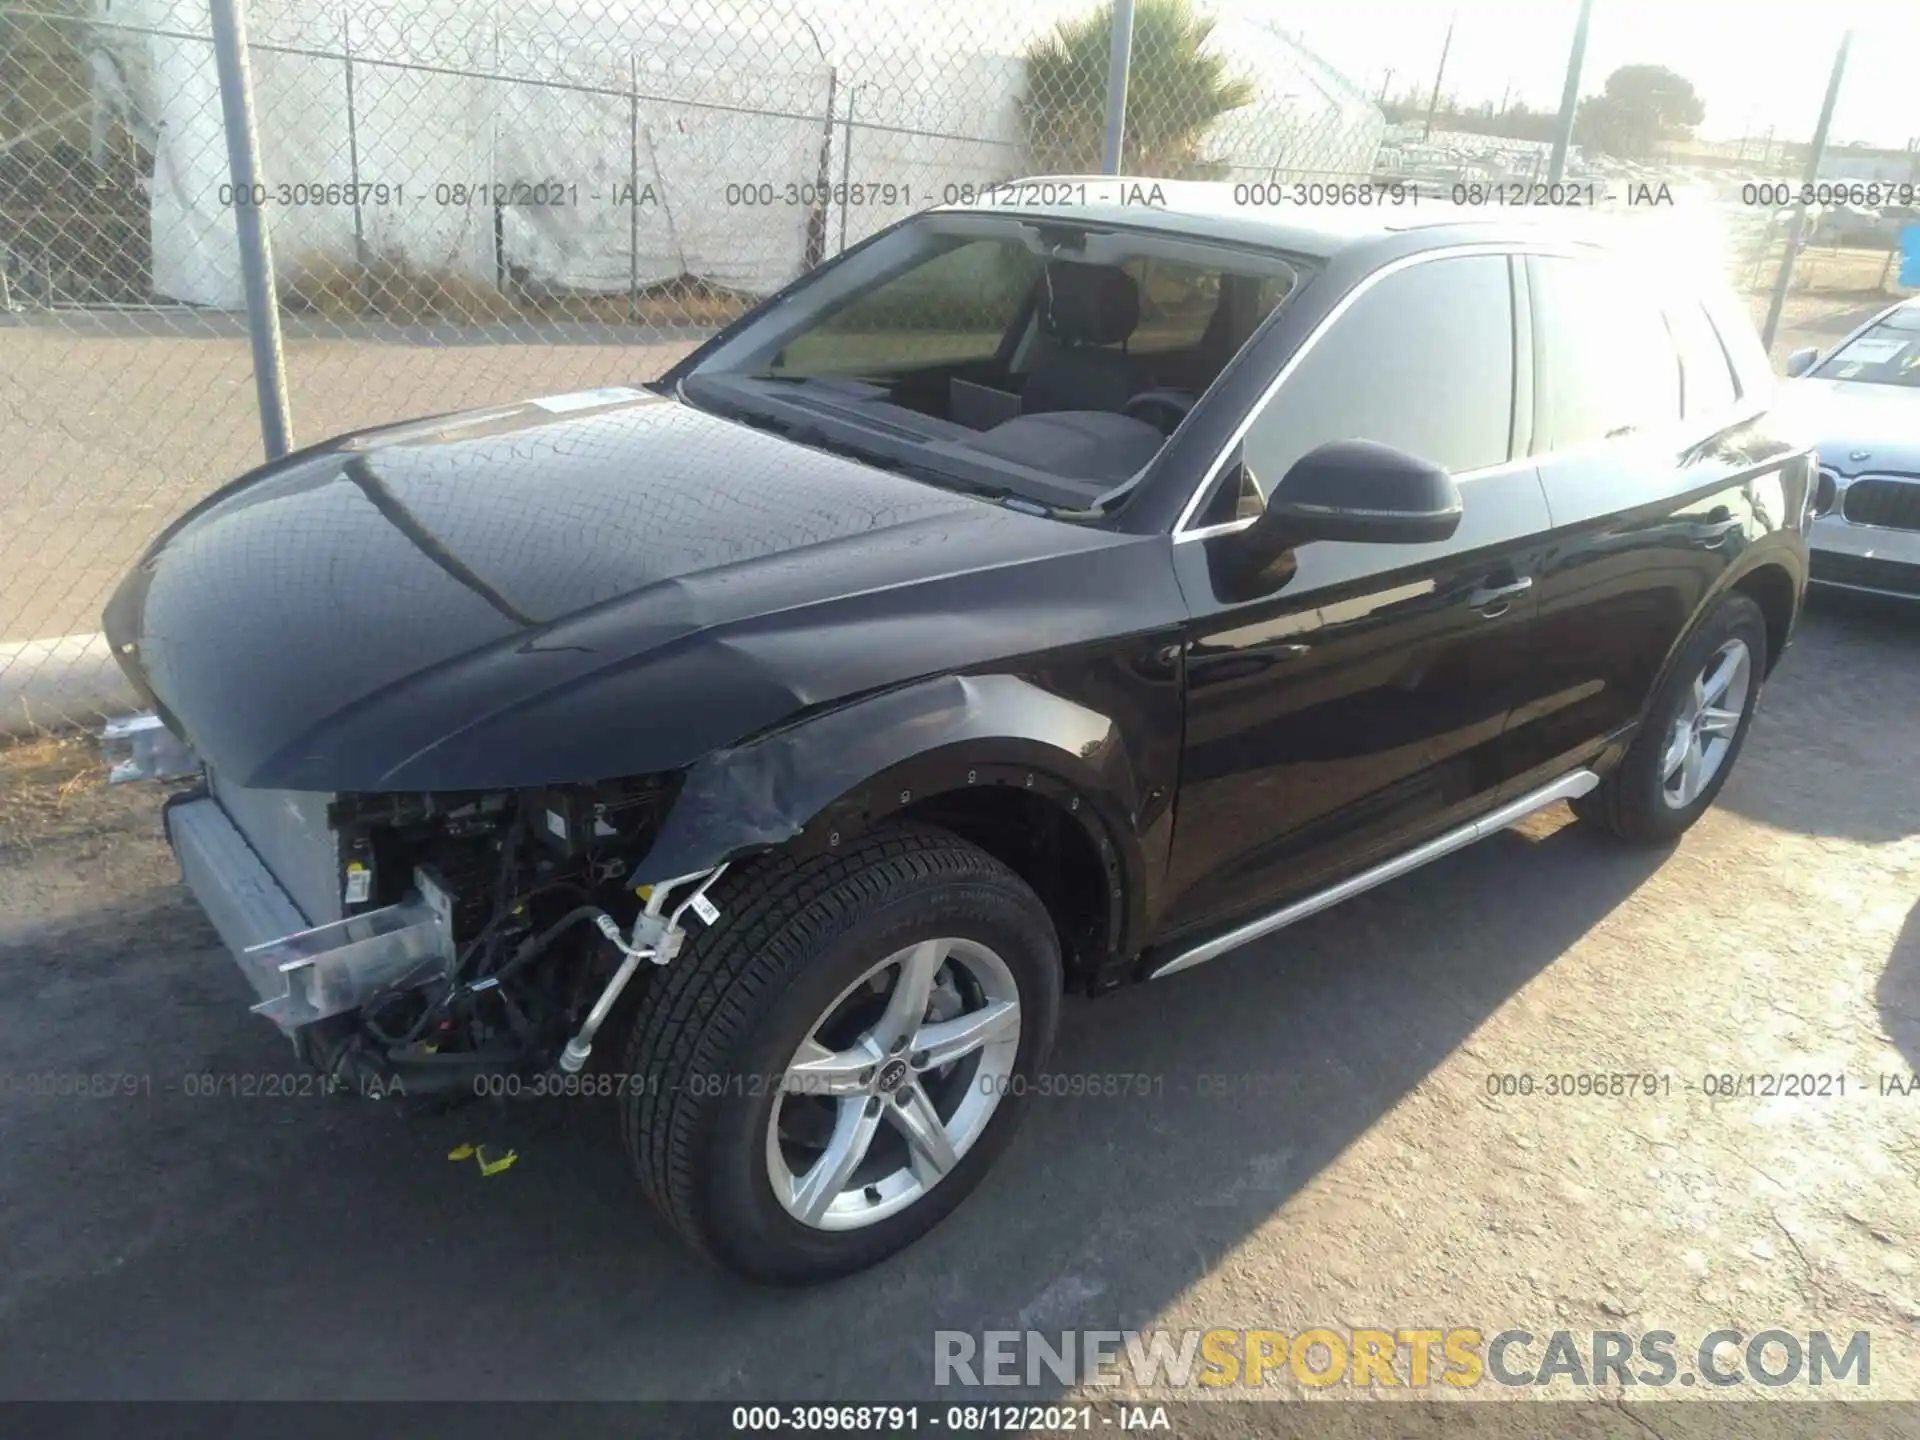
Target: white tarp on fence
x=634, y=143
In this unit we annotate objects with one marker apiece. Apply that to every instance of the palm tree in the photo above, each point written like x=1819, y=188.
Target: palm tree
x=1176, y=89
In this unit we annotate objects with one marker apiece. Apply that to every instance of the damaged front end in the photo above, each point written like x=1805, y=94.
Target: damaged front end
x=415, y=943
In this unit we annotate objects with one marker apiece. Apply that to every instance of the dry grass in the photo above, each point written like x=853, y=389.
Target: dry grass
x=392, y=288
x=52, y=788
x=1824, y=270
x=684, y=302
x=395, y=289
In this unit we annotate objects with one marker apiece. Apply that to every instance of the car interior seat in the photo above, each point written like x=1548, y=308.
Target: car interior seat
x=1086, y=314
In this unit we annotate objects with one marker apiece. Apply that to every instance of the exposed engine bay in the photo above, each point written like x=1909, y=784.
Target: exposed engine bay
x=414, y=943
x=545, y=931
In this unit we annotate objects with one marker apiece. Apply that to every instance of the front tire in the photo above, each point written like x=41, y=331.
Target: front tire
x=823, y=1075
x=1693, y=731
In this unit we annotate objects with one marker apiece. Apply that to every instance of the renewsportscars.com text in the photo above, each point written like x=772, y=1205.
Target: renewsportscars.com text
x=1410, y=1357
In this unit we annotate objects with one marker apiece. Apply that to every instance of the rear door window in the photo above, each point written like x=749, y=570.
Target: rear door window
x=1605, y=363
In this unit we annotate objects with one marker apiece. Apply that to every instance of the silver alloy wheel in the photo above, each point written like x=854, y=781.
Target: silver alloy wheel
x=903, y=1073
x=1703, y=731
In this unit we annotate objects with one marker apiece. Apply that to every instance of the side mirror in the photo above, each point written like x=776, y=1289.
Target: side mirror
x=1355, y=490
x=1358, y=490
x=1801, y=361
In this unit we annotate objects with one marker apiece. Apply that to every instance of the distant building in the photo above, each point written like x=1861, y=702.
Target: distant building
x=1859, y=162
x=1752, y=152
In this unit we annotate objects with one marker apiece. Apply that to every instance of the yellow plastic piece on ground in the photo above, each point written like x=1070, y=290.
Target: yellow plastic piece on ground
x=494, y=1167
x=460, y=1152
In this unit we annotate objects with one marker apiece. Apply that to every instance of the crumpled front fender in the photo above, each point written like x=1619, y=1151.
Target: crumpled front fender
x=951, y=730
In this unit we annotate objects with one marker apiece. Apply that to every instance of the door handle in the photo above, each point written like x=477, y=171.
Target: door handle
x=1490, y=595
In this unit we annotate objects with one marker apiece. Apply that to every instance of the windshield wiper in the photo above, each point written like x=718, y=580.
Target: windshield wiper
x=800, y=432
x=776, y=379
x=804, y=434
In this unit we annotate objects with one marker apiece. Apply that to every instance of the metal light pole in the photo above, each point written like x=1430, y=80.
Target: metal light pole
x=1434, y=103
x=1119, y=58
x=1814, y=153
x=1569, y=97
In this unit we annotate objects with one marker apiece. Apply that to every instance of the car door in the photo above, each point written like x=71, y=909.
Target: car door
x=1362, y=704
x=1638, y=435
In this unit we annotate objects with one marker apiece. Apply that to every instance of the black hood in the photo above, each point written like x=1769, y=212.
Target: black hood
x=534, y=595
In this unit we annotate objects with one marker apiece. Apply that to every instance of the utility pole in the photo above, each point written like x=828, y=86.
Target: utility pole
x=1385, y=81
x=1814, y=153
x=1434, y=103
x=1569, y=97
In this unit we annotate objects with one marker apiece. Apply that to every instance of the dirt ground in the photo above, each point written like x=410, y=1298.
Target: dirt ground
x=1322, y=1141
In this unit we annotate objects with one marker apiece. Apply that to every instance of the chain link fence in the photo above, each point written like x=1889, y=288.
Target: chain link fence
x=469, y=202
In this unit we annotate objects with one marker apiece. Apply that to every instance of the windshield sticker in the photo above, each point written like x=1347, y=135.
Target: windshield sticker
x=588, y=399
x=1876, y=350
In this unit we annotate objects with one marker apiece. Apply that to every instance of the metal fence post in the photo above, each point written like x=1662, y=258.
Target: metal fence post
x=250, y=230
x=353, y=153
x=1439, y=74
x=1569, y=97
x=1814, y=151
x=633, y=189
x=823, y=194
x=846, y=163
x=1119, y=59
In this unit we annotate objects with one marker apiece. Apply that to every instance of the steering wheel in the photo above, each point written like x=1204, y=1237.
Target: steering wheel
x=1175, y=403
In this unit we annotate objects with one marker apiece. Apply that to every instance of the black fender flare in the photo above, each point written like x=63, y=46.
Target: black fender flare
x=816, y=783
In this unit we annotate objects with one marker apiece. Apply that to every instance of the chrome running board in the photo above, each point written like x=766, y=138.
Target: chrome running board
x=1567, y=787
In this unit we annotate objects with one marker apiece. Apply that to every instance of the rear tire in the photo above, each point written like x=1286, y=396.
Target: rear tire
x=1692, y=734
x=748, y=1064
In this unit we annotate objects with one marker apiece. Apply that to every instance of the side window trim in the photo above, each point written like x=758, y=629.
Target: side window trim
x=1726, y=355
x=1230, y=450
x=1679, y=360
x=1520, y=433
x=1705, y=422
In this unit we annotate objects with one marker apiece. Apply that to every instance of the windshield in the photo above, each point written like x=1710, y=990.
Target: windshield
x=1026, y=359
x=1886, y=353
x=952, y=308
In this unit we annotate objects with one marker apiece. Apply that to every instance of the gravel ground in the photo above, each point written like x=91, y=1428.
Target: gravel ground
x=1349, y=1169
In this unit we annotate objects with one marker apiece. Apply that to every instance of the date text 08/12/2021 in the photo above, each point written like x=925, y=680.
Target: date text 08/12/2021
x=905, y=196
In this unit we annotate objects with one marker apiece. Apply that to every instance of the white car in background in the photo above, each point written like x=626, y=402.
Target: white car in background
x=1861, y=401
